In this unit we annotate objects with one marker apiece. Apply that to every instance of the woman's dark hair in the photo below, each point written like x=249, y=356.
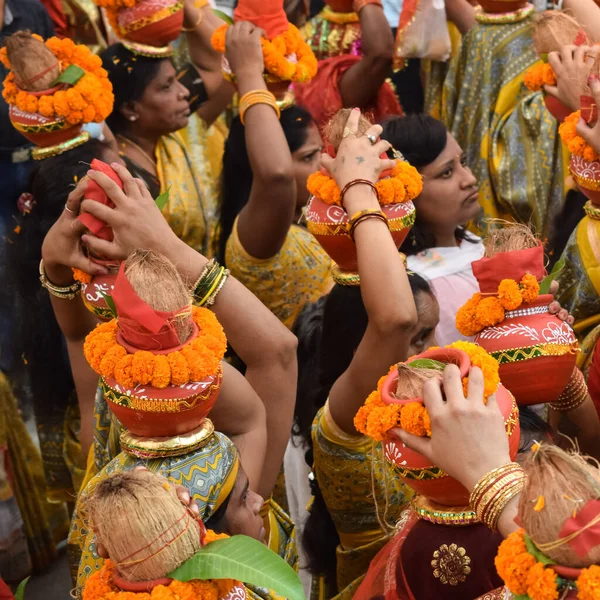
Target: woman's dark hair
x=564, y=225
x=130, y=75
x=421, y=139
x=237, y=173
x=329, y=333
x=38, y=349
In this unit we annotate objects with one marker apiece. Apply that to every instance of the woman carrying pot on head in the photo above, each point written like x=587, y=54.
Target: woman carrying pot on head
x=165, y=126
x=265, y=167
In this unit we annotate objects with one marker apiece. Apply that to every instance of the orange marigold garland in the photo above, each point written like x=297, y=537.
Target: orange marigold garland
x=375, y=418
x=538, y=75
x=526, y=577
x=404, y=183
x=89, y=100
x=196, y=361
x=81, y=276
x=573, y=141
x=486, y=311
x=287, y=56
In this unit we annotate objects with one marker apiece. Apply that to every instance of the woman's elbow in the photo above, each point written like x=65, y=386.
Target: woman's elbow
x=396, y=322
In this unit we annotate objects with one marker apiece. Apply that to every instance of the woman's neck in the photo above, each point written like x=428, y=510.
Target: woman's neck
x=444, y=238
x=147, y=144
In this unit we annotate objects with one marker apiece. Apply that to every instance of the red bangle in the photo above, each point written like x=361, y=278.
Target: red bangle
x=358, y=5
x=357, y=182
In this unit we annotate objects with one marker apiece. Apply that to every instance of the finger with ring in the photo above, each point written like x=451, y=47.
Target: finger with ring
x=372, y=138
x=70, y=210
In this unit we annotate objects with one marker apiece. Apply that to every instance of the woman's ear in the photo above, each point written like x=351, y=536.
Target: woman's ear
x=129, y=111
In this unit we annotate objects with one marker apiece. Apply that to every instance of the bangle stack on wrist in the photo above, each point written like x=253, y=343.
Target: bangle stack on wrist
x=364, y=215
x=573, y=395
x=65, y=293
x=250, y=99
x=210, y=283
x=494, y=491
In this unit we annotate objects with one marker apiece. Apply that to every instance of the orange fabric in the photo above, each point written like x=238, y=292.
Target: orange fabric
x=267, y=14
x=322, y=97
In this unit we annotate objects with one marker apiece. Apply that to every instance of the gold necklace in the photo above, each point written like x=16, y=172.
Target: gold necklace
x=146, y=155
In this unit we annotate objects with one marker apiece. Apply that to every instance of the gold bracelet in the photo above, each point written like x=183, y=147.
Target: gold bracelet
x=200, y=19
x=488, y=480
x=254, y=97
x=213, y=297
x=358, y=216
x=500, y=502
x=574, y=395
x=65, y=293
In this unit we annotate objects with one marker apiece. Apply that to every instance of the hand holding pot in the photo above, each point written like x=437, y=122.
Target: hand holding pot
x=572, y=66
x=468, y=437
x=591, y=134
x=243, y=49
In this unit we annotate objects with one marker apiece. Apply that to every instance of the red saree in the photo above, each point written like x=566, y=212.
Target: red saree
x=425, y=560
x=322, y=98
x=57, y=14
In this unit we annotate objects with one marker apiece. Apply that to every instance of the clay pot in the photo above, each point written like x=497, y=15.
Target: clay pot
x=143, y=24
x=343, y=6
x=152, y=412
x=502, y=6
x=587, y=177
x=537, y=352
x=556, y=108
x=417, y=471
x=328, y=224
x=40, y=130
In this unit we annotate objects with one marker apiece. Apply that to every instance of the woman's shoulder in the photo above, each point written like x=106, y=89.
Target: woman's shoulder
x=442, y=261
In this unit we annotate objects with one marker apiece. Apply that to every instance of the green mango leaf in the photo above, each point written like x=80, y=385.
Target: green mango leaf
x=558, y=268
x=245, y=559
x=223, y=16
x=110, y=303
x=71, y=75
x=161, y=201
x=20, y=593
x=521, y=597
x=536, y=552
x=427, y=363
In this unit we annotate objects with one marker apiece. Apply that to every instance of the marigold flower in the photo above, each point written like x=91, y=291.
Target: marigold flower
x=588, y=583
x=530, y=288
x=489, y=312
x=541, y=583
x=414, y=419
x=162, y=372
x=534, y=77
x=509, y=294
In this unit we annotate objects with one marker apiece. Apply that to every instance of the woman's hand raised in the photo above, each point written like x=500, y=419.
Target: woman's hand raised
x=243, y=49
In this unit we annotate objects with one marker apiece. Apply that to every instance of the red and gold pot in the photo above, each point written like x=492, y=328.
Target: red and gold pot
x=151, y=412
x=152, y=22
x=556, y=108
x=502, y=6
x=329, y=224
x=342, y=6
x=40, y=130
x=537, y=351
x=417, y=471
x=94, y=292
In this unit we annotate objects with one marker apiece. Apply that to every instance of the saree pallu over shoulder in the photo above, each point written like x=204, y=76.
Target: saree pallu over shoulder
x=509, y=138
x=355, y=483
x=579, y=282
x=189, y=165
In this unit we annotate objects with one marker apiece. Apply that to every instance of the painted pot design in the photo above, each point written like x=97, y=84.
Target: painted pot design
x=587, y=177
x=152, y=22
x=537, y=351
x=328, y=223
x=417, y=471
x=39, y=130
x=151, y=412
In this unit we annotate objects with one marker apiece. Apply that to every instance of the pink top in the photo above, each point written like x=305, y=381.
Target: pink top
x=449, y=272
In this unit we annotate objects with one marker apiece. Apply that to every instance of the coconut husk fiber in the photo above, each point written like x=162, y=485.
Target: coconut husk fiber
x=157, y=282
x=411, y=381
x=554, y=29
x=334, y=130
x=34, y=65
x=145, y=529
x=504, y=236
x=567, y=482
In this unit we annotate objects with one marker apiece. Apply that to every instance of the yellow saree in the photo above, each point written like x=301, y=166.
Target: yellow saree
x=510, y=140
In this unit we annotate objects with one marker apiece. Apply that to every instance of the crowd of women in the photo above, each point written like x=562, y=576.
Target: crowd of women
x=305, y=286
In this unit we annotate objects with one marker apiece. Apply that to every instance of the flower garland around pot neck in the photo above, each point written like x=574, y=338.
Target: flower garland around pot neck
x=539, y=75
x=404, y=183
x=529, y=578
x=197, y=360
x=483, y=311
x=573, y=141
x=100, y=585
x=287, y=56
x=375, y=418
x=88, y=100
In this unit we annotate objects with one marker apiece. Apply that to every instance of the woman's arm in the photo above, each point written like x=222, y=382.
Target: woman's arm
x=384, y=283
x=200, y=24
x=360, y=83
x=461, y=13
x=265, y=345
x=587, y=13
x=265, y=220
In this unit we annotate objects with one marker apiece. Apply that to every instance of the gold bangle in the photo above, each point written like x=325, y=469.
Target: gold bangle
x=200, y=19
x=213, y=286
x=213, y=297
x=364, y=218
x=488, y=480
x=65, y=293
x=254, y=97
x=574, y=395
x=500, y=502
